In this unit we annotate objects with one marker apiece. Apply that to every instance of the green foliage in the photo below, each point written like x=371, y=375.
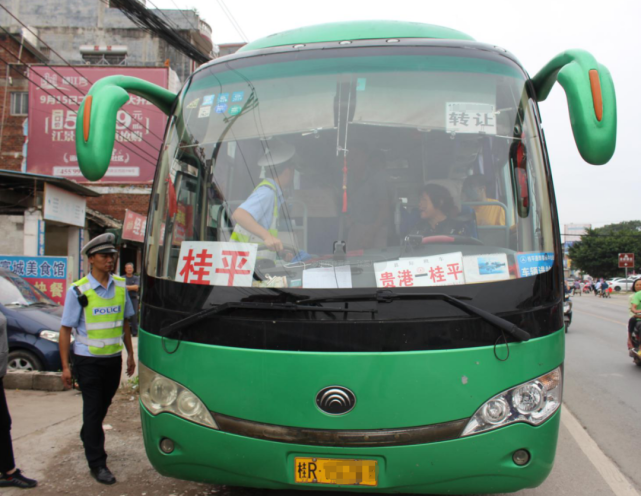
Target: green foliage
x=598, y=251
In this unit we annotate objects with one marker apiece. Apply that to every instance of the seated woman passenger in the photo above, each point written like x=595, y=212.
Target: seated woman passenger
x=439, y=214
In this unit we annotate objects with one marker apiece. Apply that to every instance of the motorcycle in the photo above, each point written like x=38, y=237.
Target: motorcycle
x=635, y=340
x=567, y=312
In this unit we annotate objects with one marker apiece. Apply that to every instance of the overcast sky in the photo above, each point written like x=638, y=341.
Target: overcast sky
x=534, y=32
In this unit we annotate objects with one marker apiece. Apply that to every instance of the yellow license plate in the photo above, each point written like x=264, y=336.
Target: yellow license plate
x=336, y=471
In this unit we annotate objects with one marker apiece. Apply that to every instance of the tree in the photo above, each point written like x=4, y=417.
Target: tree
x=598, y=251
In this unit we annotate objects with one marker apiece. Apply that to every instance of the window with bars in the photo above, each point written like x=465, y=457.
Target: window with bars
x=19, y=102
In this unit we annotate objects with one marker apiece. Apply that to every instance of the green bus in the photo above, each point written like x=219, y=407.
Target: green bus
x=395, y=321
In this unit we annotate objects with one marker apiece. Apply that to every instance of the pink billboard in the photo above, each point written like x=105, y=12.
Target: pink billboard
x=53, y=102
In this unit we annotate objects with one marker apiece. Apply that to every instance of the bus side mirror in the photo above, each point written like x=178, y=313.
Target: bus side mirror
x=520, y=178
x=591, y=101
x=96, y=121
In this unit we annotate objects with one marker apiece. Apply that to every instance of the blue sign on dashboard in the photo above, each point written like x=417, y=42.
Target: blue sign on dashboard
x=531, y=264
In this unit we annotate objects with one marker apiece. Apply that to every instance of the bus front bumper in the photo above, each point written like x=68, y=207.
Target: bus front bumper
x=476, y=464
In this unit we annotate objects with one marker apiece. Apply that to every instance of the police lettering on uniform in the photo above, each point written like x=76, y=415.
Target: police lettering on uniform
x=97, y=309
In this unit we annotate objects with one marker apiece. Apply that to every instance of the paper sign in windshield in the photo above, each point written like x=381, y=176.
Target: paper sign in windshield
x=486, y=268
x=531, y=264
x=216, y=263
x=439, y=270
x=328, y=277
x=466, y=117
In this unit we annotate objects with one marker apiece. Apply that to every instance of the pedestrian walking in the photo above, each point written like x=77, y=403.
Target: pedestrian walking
x=10, y=475
x=97, y=309
x=133, y=286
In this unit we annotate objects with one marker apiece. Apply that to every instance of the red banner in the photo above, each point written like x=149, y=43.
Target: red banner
x=53, y=102
x=134, y=226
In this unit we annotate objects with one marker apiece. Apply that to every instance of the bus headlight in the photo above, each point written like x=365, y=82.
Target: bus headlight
x=160, y=394
x=532, y=402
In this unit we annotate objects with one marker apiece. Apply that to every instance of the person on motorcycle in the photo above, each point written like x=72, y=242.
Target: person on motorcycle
x=635, y=316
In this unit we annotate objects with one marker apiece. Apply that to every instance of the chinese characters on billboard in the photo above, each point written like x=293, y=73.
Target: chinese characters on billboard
x=134, y=226
x=54, y=100
x=48, y=274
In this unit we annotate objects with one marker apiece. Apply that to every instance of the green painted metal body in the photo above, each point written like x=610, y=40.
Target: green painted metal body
x=393, y=390
x=356, y=30
x=108, y=95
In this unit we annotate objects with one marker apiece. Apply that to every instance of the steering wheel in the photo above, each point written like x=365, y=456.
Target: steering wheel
x=454, y=239
x=287, y=253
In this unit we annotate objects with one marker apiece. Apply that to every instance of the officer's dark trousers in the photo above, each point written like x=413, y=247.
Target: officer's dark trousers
x=98, y=379
x=6, y=447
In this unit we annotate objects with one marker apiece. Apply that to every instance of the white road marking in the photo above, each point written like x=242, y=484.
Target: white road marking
x=609, y=471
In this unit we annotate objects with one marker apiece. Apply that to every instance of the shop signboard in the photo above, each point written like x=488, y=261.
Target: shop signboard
x=54, y=99
x=50, y=275
x=134, y=226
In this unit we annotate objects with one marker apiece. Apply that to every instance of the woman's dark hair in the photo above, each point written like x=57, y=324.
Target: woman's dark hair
x=634, y=284
x=441, y=199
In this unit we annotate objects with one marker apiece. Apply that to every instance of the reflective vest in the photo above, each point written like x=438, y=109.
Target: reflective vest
x=242, y=235
x=104, y=318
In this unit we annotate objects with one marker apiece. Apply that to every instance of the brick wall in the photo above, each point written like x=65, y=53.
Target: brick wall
x=12, y=133
x=116, y=204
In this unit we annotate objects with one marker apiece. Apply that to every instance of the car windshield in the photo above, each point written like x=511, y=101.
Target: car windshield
x=351, y=168
x=15, y=291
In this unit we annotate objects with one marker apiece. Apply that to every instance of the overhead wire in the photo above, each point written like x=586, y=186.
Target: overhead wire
x=172, y=21
x=233, y=21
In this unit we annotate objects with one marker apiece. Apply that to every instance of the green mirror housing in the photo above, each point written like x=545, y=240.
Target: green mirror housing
x=591, y=101
x=96, y=121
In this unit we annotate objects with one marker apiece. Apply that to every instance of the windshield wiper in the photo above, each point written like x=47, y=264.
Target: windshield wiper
x=40, y=303
x=387, y=296
x=288, y=307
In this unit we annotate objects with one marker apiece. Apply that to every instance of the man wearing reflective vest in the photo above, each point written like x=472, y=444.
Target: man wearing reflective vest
x=97, y=309
x=257, y=218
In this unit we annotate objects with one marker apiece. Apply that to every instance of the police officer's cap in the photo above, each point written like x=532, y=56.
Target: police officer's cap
x=277, y=152
x=105, y=243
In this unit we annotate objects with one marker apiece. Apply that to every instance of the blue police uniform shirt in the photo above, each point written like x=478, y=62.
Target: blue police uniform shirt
x=260, y=204
x=74, y=315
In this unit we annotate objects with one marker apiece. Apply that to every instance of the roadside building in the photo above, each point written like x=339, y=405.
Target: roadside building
x=44, y=222
x=68, y=45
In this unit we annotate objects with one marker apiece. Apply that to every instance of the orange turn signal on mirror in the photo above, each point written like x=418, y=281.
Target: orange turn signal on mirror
x=86, y=118
x=597, y=98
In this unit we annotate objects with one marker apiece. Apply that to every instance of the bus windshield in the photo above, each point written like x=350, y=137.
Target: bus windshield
x=353, y=168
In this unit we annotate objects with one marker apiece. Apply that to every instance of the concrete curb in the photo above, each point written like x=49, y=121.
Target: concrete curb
x=40, y=381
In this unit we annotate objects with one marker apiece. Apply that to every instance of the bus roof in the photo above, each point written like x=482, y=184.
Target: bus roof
x=355, y=30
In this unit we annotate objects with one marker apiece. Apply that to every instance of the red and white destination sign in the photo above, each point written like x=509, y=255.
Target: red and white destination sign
x=216, y=263
x=134, y=226
x=626, y=260
x=440, y=270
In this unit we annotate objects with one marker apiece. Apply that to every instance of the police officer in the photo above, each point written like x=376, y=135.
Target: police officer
x=97, y=308
x=257, y=218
